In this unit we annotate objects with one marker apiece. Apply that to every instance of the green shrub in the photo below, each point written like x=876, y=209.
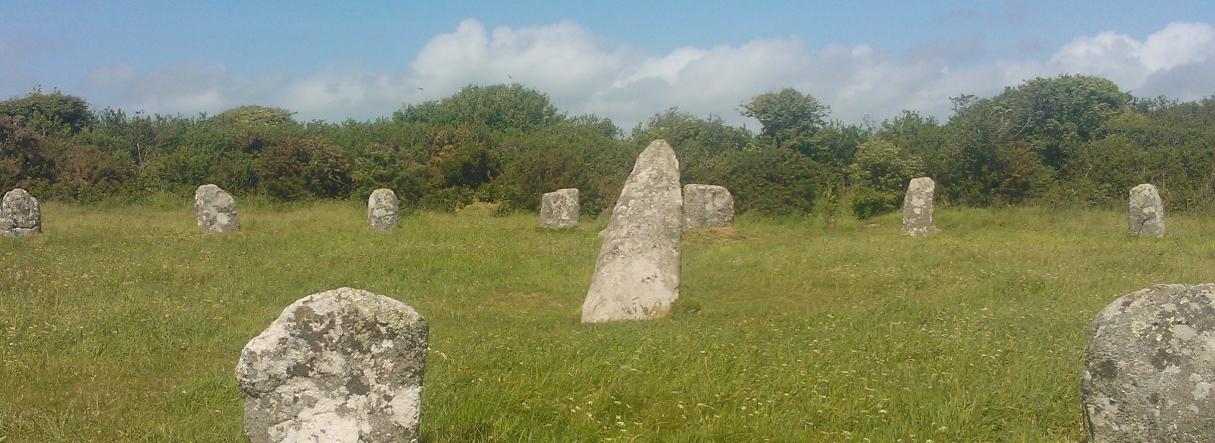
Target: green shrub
x=868, y=202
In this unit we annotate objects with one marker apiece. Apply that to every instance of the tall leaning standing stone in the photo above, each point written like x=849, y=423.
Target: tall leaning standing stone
x=340, y=366
x=707, y=206
x=20, y=214
x=917, y=207
x=559, y=209
x=1149, y=368
x=637, y=272
x=215, y=210
x=1146, y=217
x=383, y=210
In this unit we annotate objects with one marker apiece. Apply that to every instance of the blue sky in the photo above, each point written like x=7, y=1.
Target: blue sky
x=624, y=60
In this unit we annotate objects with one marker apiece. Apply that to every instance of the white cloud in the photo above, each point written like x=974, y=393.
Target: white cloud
x=1132, y=63
x=583, y=73
x=187, y=88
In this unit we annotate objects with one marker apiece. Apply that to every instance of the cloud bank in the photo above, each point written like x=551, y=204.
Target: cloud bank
x=583, y=73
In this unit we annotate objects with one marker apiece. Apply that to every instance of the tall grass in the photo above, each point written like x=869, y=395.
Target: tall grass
x=123, y=323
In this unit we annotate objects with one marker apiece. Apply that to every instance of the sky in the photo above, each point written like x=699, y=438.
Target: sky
x=624, y=60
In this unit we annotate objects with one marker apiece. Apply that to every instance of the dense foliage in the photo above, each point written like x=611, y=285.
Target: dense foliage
x=1067, y=140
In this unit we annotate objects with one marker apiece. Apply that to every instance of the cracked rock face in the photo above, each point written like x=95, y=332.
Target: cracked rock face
x=917, y=207
x=1146, y=217
x=215, y=210
x=706, y=206
x=383, y=210
x=340, y=366
x=1149, y=368
x=637, y=272
x=559, y=209
x=20, y=214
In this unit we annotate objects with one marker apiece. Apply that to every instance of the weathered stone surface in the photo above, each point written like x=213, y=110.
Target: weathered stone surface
x=637, y=272
x=707, y=206
x=1149, y=368
x=383, y=210
x=559, y=209
x=917, y=207
x=215, y=209
x=1146, y=212
x=340, y=366
x=20, y=214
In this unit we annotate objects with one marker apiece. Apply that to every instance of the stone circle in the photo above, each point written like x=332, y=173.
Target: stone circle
x=637, y=272
x=215, y=210
x=1149, y=368
x=339, y=366
x=707, y=206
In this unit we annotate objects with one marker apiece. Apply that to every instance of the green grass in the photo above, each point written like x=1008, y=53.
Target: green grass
x=124, y=323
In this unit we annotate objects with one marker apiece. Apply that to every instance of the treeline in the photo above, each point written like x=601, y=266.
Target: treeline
x=1068, y=140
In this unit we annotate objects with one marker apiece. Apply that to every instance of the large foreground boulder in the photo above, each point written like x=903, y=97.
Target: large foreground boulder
x=1146, y=218
x=1149, y=368
x=215, y=210
x=707, y=206
x=340, y=366
x=637, y=272
x=559, y=209
x=20, y=214
x=917, y=207
x=383, y=210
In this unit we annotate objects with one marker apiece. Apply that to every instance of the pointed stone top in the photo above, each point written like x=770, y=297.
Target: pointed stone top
x=659, y=153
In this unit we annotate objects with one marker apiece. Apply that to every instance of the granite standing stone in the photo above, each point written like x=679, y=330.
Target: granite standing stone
x=917, y=207
x=383, y=210
x=1149, y=368
x=1146, y=212
x=215, y=209
x=707, y=206
x=559, y=209
x=340, y=366
x=20, y=214
x=637, y=271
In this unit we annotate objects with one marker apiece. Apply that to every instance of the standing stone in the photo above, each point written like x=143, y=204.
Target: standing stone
x=340, y=366
x=637, y=272
x=707, y=206
x=559, y=209
x=1149, y=368
x=917, y=207
x=20, y=214
x=215, y=209
x=1146, y=212
x=383, y=210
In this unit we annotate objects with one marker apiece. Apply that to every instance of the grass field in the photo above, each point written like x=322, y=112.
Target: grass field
x=123, y=323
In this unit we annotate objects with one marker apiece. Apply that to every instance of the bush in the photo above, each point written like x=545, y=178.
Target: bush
x=881, y=174
x=868, y=202
x=773, y=181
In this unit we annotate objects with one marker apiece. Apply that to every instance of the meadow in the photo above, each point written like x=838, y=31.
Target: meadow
x=123, y=323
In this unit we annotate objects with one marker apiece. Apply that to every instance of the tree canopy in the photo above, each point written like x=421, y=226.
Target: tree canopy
x=1065, y=140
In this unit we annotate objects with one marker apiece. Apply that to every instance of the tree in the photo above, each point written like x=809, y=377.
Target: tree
x=23, y=160
x=254, y=116
x=699, y=143
x=499, y=107
x=789, y=119
x=923, y=137
x=45, y=112
x=1055, y=115
x=881, y=173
